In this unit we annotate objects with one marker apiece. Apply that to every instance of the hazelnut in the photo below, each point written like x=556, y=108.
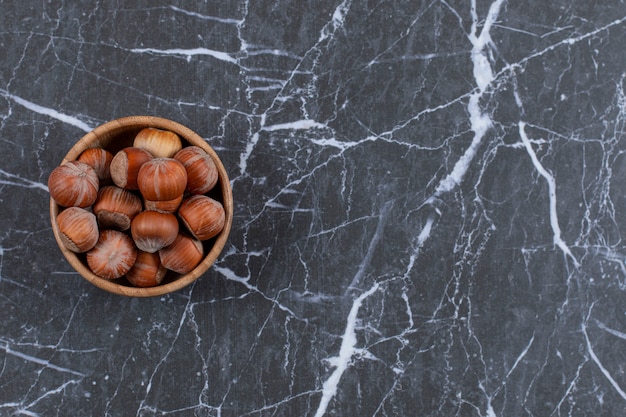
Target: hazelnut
x=152, y=230
x=162, y=179
x=125, y=166
x=100, y=160
x=203, y=216
x=73, y=184
x=78, y=229
x=116, y=207
x=201, y=170
x=165, y=206
x=183, y=255
x=147, y=270
x=160, y=143
x=113, y=256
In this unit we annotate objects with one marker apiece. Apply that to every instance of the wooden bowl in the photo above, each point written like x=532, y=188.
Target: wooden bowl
x=119, y=134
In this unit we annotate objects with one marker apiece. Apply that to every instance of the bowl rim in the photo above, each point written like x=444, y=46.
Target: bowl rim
x=101, y=135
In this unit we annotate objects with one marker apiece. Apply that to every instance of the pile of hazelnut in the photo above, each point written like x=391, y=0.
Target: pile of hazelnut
x=140, y=212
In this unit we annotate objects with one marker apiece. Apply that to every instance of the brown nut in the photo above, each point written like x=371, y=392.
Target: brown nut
x=183, y=255
x=203, y=216
x=162, y=179
x=201, y=170
x=73, y=184
x=116, y=207
x=160, y=143
x=152, y=230
x=113, y=256
x=147, y=270
x=125, y=166
x=100, y=160
x=78, y=229
x=166, y=206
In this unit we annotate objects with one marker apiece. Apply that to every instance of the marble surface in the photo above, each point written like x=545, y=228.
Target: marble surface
x=429, y=208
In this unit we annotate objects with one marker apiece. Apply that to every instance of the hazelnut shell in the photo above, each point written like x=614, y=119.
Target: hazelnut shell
x=147, y=270
x=201, y=169
x=73, y=184
x=160, y=143
x=113, y=256
x=162, y=179
x=152, y=230
x=183, y=255
x=100, y=160
x=78, y=229
x=116, y=207
x=125, y=166
x=165, y=206
x=203, y=216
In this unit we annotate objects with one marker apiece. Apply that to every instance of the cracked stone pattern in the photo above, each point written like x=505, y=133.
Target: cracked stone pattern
x=429, y=205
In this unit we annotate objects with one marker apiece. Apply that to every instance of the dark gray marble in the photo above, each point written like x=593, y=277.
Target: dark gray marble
x=429, y=208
